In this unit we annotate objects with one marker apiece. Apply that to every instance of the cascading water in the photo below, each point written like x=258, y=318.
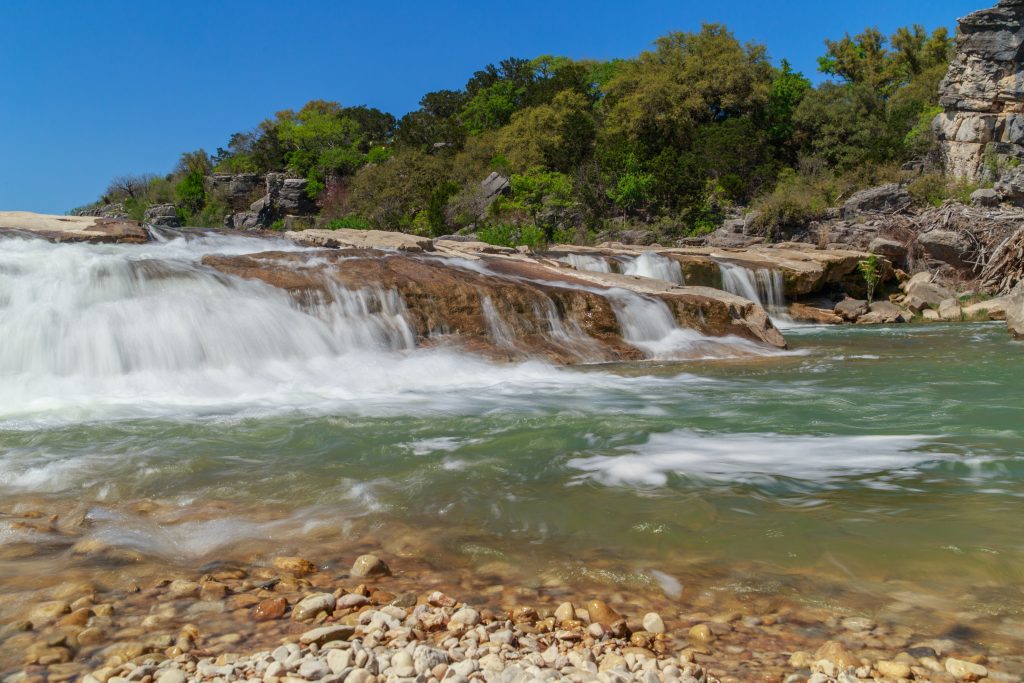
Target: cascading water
x=592, y=264
x=654, y=266
x=763, y=286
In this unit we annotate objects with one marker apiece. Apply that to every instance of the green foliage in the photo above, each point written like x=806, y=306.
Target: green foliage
x=277, y=225
x=435, y=206
x=869, y=270
x=788, y=90
x=546, y=196
x=136, y=208
x=513, y=235
x=491, y=108
x=348, y=223
x=794, y=203
x=935, y=189
x=191, y=192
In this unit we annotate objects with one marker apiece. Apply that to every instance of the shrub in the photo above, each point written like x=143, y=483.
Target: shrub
x=869, y=270
x=935, y=189
x=795, y=203
x=512, y=235
x=349, y=223
x=277, y=225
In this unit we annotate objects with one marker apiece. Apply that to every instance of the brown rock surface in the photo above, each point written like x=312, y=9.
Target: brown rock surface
x=73, y=228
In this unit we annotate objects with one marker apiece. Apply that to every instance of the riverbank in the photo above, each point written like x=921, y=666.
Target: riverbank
x=293, y=620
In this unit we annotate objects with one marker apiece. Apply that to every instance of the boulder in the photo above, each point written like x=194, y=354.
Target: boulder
x=361, y=239
x=949, y=310
x=947, y=246
x=1015, y=312
x=162, y=216
x=850, y=309
x=991, y=309
x=72, y=228
x=985, y=197
x=494, y=185
x=235, y=190
x=810, y=314
x=921, y=295
x=889, y=198
x=890, y=249
x=882, y=313
x=288, y=195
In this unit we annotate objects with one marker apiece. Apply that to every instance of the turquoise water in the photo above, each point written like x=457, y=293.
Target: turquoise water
x=870, y=468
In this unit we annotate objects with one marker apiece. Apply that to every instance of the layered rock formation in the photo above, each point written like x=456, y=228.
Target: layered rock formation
x=981, y=132
x=283, y=197
x=72, y=228
x=504, y=306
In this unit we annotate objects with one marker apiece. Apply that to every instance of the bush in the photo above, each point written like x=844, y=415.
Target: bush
x=795, y=203
x=935, y=189
x=348, y=223
x=512, y=235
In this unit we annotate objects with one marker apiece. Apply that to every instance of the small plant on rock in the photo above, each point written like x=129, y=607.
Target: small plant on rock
x=869, y=270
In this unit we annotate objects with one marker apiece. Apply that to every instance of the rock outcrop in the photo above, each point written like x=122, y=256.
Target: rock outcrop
x=360, y=239
x=163, y=216
x=283, y=196
x=982, y=127
x=72, y=228
x=507, y=306
x=1015, y=312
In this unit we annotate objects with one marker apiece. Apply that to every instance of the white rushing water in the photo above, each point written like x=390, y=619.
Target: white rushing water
x=763, y=286
x=593, y=264
x=654, y=266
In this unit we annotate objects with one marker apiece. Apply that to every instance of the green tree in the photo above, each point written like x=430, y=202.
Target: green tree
x=546, y=196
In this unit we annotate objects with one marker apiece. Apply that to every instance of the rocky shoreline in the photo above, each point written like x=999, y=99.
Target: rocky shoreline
x=297, y=623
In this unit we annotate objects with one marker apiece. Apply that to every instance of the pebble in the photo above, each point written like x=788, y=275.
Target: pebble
x=653, y=623
x=312, y=605
x=893, y=669
x=600, y=613
x=701, y=634
x=182, y=588
x=965, y=671
x=297, y=566
x=368, y=566
x=269, y=609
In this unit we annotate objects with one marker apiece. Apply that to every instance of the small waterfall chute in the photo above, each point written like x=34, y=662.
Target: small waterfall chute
x=586, y=262
x=654, y=266
x=764, y=286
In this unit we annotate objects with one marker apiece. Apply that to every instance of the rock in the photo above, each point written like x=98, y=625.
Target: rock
x=369, y=566
x=949, y=309
x=327, y=633
x=701, y=634
x=986, y=197
x=312, y=605
x=931, y=315
x=850, y=309
x=172, y=676
x=882, y=313
x=990, y=309
x=965, y=671
x=294, y=565
x=981, y=91
x=403, y=664
x=922, y=295
x=361, y=239
x=602, y=614
x=809, y=314
x=471, y=247
x=48, y=612
x=893, y=669
x=182, y=588
x=467, y=616
x=834, y=652
x=882, y=199
x=947, y=246
x=162, y=216
x=890, y=249
x=237, y=191
x=288, y=195
x=313, y=669
x=339, y=660
x=72, y=228
x=565, y=612
x=269, y=609
x=494, y=185
x=359, y=676
x=653, y=623
x=1015, y=311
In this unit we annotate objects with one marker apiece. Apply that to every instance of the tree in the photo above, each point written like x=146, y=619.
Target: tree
x=558, y=135
x=132, y=186
x=545, y=195
x=788, y=90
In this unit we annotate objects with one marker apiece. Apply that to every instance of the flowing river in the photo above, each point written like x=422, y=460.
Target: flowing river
x=189, y=418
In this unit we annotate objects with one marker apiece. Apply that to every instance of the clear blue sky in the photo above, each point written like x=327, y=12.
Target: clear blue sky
x=90, y=90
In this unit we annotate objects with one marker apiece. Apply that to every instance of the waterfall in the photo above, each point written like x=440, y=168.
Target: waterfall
x=593, y=264
x=655, y=266
x=763, y=286
x=498, y=330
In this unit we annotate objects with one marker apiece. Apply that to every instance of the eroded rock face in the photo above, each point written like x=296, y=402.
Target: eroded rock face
x=1015, y=312
x=505, y=307
x=983, y=92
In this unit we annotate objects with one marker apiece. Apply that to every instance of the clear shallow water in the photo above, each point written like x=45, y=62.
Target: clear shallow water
x=879, y=467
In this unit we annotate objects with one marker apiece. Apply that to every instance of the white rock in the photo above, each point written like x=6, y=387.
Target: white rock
x=339, y=660
x=653, y=623
x=172, y=676
x=313, y=669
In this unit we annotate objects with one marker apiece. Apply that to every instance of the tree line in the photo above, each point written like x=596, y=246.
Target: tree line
x=672, y=141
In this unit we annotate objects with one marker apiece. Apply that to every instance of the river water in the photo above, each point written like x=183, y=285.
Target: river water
x=191, y=417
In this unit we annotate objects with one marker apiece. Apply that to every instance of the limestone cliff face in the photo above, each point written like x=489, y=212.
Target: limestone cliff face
x=982, y=126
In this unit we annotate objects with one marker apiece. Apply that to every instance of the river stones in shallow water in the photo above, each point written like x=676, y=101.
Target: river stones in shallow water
x=297, y=566
x=701, y=634
x=269, y=609
x=601, y=613
x=182, y=588
x=312, y=605
x=369, y=566
x=965, y=671
x=653, y=623
x=834, y=652
x=48, y=612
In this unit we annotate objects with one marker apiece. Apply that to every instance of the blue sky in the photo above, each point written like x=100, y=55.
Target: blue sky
x=95, y=89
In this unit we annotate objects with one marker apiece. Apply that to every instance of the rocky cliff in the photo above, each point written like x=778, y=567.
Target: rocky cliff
x=981, y=131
